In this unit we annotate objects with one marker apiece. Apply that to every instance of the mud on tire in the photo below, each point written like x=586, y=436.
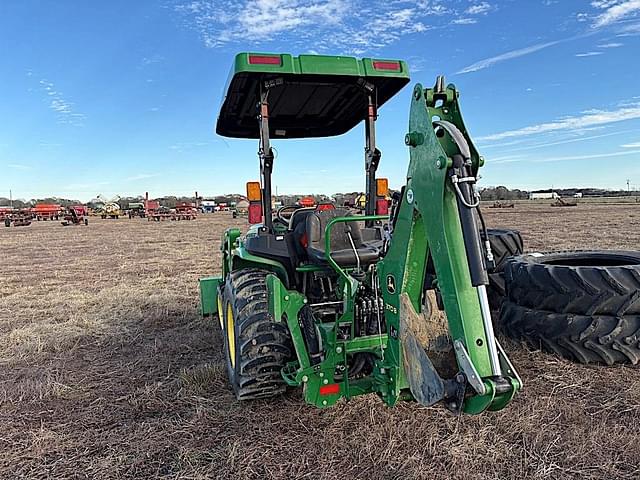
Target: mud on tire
x=256, y=346
x=582, y=338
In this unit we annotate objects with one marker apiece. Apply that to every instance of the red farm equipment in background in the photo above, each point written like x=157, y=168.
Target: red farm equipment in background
x=17, y=217
x=47, y=211
x=307, y=202
x=76, y=215
x=153, y=210
x=5, y=212
x=184, y=211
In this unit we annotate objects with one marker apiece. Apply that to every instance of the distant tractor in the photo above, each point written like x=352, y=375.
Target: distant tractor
x=136, y=209
x=75, y=215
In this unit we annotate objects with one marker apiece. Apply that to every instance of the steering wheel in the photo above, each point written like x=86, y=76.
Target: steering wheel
x=280, y=214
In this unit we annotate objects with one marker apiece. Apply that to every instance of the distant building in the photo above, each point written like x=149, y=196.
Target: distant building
x=543, y=196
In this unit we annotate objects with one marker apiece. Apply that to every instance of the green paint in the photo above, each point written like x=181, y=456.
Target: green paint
x=209, y=295
x=427, y=226
x=317, y=65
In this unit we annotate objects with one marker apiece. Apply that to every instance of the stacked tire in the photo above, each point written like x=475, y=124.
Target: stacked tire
x=584, y=305
x=504, y=245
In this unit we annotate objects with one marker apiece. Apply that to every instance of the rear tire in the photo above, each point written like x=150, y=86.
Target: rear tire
x=582, y=338
x=257, y=347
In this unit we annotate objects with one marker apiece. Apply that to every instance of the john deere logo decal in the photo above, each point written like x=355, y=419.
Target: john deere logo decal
x=410, y=196
x=391, y=284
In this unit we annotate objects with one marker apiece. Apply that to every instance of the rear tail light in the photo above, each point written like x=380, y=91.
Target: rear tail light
x=382, y=206
x=330, y=389
x=265, y=60
x=386, y=66
x=255, y=213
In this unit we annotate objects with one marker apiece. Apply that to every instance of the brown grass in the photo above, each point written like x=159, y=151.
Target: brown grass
x=107, y=371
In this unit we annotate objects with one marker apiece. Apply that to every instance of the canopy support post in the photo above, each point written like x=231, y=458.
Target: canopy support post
x=266, y=159
x=372, y=157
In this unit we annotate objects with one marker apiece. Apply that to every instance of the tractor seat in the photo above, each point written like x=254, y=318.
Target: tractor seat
x=341, y=248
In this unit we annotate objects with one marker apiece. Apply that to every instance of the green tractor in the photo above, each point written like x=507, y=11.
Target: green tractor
x=339, y=304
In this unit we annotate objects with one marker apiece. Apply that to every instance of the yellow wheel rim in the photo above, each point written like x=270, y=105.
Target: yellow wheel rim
x=220, y=312
x=231, y=336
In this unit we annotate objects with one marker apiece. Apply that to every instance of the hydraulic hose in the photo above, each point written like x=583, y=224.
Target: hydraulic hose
x=469, y=222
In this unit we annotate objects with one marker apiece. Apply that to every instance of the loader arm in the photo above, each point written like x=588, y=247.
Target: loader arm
x=432, y=221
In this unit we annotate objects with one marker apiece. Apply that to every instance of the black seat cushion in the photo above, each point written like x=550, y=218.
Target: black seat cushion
x=341, y=247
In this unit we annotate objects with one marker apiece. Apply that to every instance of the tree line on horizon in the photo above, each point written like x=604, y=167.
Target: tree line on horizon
x=488, y=193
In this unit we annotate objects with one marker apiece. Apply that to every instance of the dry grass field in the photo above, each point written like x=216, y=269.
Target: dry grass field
x=107, y=371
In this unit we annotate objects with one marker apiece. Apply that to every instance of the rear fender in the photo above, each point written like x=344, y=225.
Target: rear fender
x=241, y=258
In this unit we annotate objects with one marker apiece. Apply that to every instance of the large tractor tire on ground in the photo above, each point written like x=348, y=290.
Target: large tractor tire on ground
x=583, y=282
x=582, y=305
x=582, y=338
x=504, y=245
x=257, y=347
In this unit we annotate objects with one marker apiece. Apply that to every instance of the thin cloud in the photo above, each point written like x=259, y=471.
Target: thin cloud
x=629, y=30
x=563, y=159
x=564, y=142
x=588, y=54
x=631, y=145
x=587, y=156
x=181, y=146
x=151, y=60
x=63, y=108
x=350, y=26
x=590, y=118
x=478, y=9
x=464, y=21
x=19, y=166
x=614, y=11
x=142, y=176
x=521, y=52
x=611, y=45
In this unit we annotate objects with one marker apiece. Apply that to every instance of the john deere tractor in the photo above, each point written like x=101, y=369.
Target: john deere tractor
x=340, y=304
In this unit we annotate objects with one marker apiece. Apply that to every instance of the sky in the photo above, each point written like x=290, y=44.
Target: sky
x=121, y=97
